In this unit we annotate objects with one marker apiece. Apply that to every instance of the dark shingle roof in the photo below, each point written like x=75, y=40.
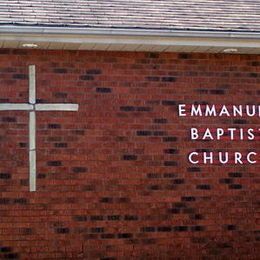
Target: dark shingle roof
x=216, y=15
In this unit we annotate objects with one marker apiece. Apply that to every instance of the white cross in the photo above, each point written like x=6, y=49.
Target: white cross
x=32, y=107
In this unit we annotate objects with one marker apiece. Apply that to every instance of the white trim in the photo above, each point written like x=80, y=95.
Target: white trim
x=32, y=89
x=32, y=130
x=15, y=106
x=57, y=107
x=32, y=151
x=127, y=32
x=47, y=36
x=32, y=171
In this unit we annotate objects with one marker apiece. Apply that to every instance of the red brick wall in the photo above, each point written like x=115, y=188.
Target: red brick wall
x=113, y=179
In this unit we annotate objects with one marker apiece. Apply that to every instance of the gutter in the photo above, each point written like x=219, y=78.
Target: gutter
x=114, y=36
x=128, y=32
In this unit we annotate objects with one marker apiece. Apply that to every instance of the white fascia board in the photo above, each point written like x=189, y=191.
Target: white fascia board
x=127, y=32
x=130, y=36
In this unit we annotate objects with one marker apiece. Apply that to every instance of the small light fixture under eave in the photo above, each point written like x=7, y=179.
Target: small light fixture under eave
x=30, y=45
x=230, y=50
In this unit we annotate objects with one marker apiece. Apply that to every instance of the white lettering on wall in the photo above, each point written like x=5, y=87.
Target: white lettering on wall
x=222, y=158
x=218, y=133
x=182, y=110
x=191, y=158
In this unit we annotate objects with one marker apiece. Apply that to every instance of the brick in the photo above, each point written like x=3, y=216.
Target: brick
x=60, y=70
x=168, y=79
x=79, y=169
x=170, y=139
x=54, y=126
x=124, y=235
x=86, y=77
x=235, y=186
x=129, y=157
x=204, y=187
x=113, y=179
x=5, y=176
x=9, y=119
x=5, y=249
x=160, y=121
x=62, y=230
x=180, y=228
x=54, y=163
x=103, y=90
x=144, y=133
x=93, y=72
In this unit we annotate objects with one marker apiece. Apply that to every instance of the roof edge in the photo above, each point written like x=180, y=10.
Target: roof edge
x=10, y=29
x=128, y=39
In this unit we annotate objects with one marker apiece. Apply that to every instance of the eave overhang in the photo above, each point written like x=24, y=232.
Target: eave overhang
x=115, y=39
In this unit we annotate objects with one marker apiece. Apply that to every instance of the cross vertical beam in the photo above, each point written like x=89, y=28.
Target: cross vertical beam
x=32, y=130
x=32, y=151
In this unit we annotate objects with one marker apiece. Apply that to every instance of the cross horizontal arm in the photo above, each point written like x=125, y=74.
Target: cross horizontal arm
x=15, y=106
x=56, y=107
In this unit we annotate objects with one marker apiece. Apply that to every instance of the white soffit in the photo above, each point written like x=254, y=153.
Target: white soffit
x=129, y=39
